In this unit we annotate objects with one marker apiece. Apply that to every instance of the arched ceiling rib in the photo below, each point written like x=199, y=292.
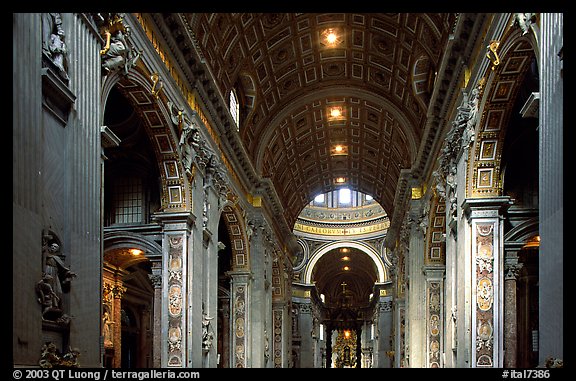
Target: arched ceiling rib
x=380, y=71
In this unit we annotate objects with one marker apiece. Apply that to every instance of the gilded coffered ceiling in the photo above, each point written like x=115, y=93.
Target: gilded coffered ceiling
x=378, y=71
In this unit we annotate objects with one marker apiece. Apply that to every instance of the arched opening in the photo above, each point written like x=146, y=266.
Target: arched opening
x=127, y=305
x=342, y=270
x=520, y=177
x=131, y=195
x=223, y=318
x=136, y=318
x=131, y=188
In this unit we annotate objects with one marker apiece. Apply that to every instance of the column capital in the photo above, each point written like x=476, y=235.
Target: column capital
x=434, y=271
x=175, y=221
x=156, y=280
x=118, y=291
x=486, y=207
x=512, y=269
x=239, y=276
x=384, y=289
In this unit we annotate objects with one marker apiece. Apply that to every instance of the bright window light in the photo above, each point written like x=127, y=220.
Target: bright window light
x=319, y=198
x=369, y=198
x=345, y=196
x=235, y=109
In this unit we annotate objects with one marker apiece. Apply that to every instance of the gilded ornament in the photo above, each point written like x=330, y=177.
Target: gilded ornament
x=491, y=53
x=157, y=85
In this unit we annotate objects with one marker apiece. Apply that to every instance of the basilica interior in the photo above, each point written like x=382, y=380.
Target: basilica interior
x=287, y=190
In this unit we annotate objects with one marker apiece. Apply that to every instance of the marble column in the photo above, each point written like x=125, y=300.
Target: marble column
x=511, y=270
x=434, y=315
x=259, y=298
x=384, y=351
x=156, y=279
x=210, y=264
x=144, y=343
x=400, y=333
x=383, y=320
x=451, y=298
x=306, y=354
x=118, y=292
x=176, y=323
x=416, y=294
x=224, y=360
x=485, y=232
x=277, y=334
x=240, y=318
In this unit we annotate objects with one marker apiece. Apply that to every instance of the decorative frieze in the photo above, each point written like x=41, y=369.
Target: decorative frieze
x=277, y=334
x=239, y=324
x=434, y=324
x=175, y=353
x=485, y=296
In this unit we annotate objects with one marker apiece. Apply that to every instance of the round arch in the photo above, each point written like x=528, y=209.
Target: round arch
x=498, y=99
x=237, y=232
x=136, y=87
x=381, y=268
x=119, y=246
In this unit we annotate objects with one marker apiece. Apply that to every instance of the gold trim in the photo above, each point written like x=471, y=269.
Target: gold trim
x=301, y=293
x=341, y=231
x=492, y=49
x=158, y=85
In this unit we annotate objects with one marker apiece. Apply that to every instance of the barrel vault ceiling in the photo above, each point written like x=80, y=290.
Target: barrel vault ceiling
x=379, y=72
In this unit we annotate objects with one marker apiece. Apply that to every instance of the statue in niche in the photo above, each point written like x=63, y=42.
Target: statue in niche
x=56, y=277
x=53, y=45
x=107, y=329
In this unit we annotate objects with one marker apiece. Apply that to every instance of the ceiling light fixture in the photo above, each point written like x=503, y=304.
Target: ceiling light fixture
x=339, y=150
x=135, y=252
x=335, y=112
x=340, y=180
x=330, y=37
